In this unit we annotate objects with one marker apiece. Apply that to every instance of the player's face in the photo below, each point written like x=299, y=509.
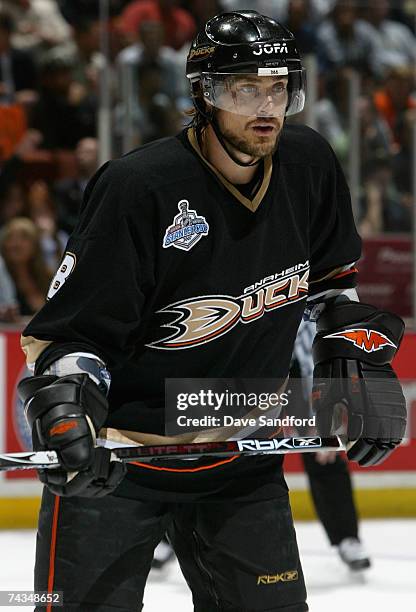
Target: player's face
x=253, y=136
x=257, y=135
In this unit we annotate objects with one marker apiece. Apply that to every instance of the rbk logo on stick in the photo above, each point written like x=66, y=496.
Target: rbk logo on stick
x=367, y=340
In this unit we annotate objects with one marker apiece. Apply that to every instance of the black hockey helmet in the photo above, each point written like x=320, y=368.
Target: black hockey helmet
x=244, y=42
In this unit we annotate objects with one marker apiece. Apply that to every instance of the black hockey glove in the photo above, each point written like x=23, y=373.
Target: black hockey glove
x=353, y=348
x=65, y=415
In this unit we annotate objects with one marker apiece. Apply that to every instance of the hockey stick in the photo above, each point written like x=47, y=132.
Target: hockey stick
x=145, y=454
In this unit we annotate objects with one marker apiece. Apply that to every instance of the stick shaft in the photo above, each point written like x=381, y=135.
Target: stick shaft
x=145, y=454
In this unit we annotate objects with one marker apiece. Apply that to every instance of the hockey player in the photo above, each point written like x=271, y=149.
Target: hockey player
x=194, y=257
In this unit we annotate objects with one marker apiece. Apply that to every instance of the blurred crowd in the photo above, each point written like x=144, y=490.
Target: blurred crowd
x=51, y=64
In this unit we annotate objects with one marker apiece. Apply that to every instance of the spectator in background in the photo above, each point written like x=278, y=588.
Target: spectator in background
x=61, y=115
x=271, y=8
x=18, y=80
x=333, y=122
x=9, y=309
x=332, y=111
x=154, y=112
x=21, y=250
x=88, y=60
x=10, y=168
x=321, y=9
x=179, y=25
x=397, y=43
x=343, y=40
x=86, y=54
x=150, y=50
x=164, y=119
x=404, y=11
x=278, y=9
x=403, y=159
x=299, y=23
x=148, y=46
x=15, y=8
x=384, y=210
x=76, y=10
x=394, y=97
x=13, y=202
x=203, y=10
x=68, y=193
x=39, y=24
x=41, y=209
x=376, y=137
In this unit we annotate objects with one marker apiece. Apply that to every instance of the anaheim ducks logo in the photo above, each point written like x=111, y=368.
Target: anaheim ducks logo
x=199, y=321
x=367, y=340
x=206, y=318
x=201, y=52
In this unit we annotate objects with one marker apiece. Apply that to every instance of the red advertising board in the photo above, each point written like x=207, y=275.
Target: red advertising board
x=17, y=436
x=386, y=272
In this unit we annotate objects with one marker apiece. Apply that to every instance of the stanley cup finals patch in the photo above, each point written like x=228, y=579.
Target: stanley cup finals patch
x=187, y=228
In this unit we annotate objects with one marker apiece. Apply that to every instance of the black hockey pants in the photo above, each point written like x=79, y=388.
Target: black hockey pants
x=235, y=556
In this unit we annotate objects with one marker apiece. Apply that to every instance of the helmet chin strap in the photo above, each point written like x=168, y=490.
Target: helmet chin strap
x=223, y=142
x=210, y=117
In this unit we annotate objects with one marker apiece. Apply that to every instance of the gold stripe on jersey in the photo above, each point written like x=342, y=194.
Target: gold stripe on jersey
x=333, y=273
x=267, y=175
x=33, y=348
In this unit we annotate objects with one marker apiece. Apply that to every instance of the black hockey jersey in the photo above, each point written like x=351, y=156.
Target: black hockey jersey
x=172, y=272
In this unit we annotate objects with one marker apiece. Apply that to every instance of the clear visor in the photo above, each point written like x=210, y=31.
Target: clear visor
x=248, y=94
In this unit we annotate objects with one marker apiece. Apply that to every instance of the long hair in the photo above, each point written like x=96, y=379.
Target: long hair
x=37, y=266
x=196, y=119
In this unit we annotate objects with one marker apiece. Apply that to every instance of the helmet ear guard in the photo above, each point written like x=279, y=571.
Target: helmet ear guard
x=297, y=92
x=200, y=105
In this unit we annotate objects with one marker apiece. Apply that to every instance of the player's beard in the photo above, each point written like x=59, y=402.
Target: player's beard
x=243, y=140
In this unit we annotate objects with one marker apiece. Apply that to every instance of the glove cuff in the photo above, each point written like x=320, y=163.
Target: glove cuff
x=357, y=331
x=74, y=393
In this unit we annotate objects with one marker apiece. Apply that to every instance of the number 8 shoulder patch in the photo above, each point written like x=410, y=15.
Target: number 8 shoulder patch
x=65, y=269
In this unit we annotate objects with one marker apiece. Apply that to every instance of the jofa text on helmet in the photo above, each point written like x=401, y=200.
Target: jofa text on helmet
x=271, y=48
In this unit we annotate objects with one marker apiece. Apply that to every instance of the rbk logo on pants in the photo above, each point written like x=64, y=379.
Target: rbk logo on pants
x=288, y=576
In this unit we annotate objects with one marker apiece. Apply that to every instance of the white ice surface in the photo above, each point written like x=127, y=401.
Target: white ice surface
x=389, y=586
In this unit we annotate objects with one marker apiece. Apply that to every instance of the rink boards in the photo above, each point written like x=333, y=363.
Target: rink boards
x=386, y=491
